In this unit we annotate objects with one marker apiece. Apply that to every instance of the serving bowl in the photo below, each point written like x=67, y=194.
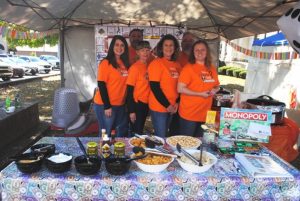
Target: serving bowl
x=85, y=168
x=186, y=142
x=44, y=148
x=208, y=160
x=59, y=162
x=152, y=168
x=29, y=162
x=117, y=166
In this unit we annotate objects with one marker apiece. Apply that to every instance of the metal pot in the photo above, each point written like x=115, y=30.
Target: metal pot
x=267, y=103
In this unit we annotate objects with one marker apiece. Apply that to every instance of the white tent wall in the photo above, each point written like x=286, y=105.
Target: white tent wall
x=80, y=67
x=273, y=77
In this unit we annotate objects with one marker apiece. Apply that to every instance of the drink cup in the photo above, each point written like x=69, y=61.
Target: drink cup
x=11, y=109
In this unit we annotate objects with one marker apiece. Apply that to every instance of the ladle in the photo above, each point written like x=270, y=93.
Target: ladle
x=83, y=150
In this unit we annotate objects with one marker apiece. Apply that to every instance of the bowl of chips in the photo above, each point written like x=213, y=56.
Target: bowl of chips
x=154, y=163
x=186, y=142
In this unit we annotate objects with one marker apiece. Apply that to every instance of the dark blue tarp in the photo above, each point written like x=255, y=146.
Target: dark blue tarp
x=274, y=40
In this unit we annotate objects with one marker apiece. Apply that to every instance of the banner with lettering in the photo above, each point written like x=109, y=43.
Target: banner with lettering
x=245, y=125
x=265, y=55
x=105, y=33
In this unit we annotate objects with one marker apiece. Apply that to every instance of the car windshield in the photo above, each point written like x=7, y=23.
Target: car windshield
x=34, y=59
x=50, y=57
x=19, y=60
x=7, y=60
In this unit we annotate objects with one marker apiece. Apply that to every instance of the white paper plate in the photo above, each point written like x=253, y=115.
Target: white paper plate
x=159, y=138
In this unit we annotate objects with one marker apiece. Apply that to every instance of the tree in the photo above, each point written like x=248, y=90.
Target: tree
x=52, y=40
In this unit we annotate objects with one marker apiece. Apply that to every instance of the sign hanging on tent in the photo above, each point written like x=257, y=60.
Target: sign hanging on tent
x=105, y=33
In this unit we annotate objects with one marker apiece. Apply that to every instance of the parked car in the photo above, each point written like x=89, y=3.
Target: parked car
x=6, y=71
x=18, y=71
x=43, y=66
x=53, y=60
x=30, y=69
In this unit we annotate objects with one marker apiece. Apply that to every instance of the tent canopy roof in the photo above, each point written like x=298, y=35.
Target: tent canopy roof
x=228, y=18
x=274, y=40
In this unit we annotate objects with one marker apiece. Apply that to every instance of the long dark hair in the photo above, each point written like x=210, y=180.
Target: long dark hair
x=192, y=58
x=111, y=55
x=160, y=53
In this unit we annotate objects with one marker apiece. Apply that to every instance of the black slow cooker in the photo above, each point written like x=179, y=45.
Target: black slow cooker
x=267, y=103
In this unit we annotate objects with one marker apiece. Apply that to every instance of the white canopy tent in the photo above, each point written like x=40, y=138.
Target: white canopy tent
x=75, y=20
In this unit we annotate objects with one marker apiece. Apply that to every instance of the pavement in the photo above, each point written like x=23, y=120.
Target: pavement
x=28, y=78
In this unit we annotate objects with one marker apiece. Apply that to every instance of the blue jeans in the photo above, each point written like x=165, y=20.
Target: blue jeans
x=161, y=122
x=117, y=121
x=190, y=128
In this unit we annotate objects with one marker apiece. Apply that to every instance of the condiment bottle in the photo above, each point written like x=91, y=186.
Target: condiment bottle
x=103, y=132
x=105, y=146
x=17, y=101
x=112, y=140
x=7, y=102
x=119, y=150
x=92, y=149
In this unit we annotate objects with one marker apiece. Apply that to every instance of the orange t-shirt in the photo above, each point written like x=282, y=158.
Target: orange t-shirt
x=133, y=57
x=138, y=78
x=115, y=80
x=183, y=58
x=166, y=73
x=197, y=78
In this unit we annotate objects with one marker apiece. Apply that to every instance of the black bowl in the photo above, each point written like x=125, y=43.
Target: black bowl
x=117, y=166
x=58, y=167
x=46, y=149
x=29, y=162
x=83, y=167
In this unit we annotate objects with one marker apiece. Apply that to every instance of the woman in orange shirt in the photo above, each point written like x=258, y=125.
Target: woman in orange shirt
x=163, y=75
x=138, y=88
x=197, y=83
x=110, y=96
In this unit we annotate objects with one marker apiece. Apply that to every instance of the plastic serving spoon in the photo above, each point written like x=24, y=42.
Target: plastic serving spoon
x=83, y=150
x=205, y=127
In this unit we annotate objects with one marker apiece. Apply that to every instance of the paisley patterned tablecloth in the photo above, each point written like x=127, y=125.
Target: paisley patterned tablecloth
x=222, y=182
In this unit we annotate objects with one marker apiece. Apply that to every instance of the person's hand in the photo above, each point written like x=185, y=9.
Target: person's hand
x=108, y=112
x=132, y=117
x=175, y=107
x=214, y=91
x=205, y=94
x=170, y=108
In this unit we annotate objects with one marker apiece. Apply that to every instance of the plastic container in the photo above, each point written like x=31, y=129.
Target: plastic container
x=65, y=108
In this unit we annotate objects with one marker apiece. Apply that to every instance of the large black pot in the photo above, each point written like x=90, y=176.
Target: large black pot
x=267, y=103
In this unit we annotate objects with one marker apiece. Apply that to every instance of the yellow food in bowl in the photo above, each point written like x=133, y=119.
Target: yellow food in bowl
x=152, y=159
x=138, y=142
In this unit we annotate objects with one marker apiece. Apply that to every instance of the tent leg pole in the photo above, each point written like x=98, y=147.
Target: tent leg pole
x=62, y=54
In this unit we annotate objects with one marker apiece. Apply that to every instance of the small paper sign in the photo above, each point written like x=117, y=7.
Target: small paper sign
x=211, y=117
x=258, y=130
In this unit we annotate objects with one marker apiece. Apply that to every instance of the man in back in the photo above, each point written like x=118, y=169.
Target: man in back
x=187, y=42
